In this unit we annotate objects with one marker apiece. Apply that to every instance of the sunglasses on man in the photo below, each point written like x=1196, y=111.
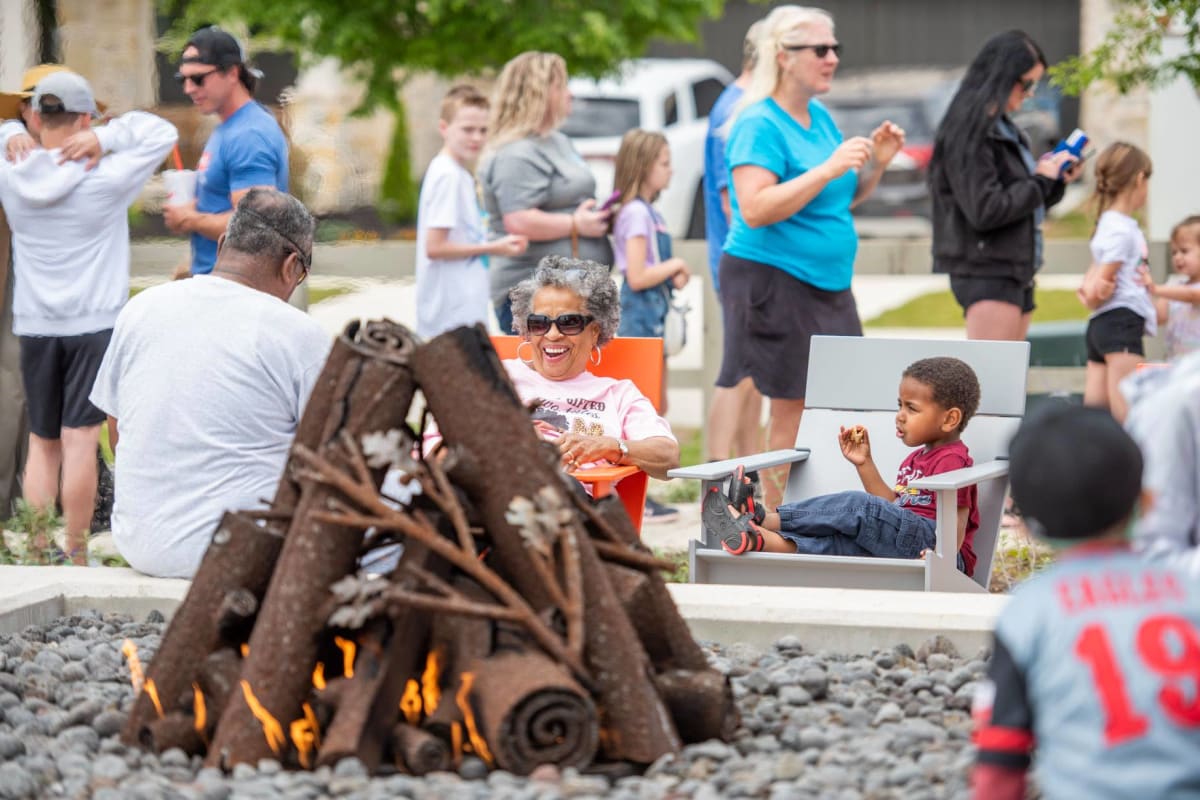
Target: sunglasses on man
x=197, y=79
x=567, y=324
x=819, y=50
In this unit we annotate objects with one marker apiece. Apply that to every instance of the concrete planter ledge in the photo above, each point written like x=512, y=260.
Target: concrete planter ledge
x=838, y=620
x=36, y=595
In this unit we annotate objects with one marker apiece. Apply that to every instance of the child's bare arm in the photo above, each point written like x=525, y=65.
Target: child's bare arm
x=1189, y=293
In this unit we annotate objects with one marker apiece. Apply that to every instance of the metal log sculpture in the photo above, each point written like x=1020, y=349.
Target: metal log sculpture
x=523, y=622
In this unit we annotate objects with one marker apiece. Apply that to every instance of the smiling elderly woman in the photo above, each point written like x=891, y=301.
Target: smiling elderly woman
x=566, y=312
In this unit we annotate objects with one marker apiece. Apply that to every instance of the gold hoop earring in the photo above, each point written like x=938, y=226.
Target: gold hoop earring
x=597, y=354
x=522, y=344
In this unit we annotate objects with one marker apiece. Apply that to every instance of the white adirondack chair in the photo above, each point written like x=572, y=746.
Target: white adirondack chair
x=853, y=381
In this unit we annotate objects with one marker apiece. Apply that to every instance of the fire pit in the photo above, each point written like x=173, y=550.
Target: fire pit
x=525, y=624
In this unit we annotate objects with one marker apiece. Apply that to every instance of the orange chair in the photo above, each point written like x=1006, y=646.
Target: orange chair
x=632, y=358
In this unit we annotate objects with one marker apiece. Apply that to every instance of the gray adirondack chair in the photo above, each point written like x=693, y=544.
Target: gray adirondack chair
x=853, y=381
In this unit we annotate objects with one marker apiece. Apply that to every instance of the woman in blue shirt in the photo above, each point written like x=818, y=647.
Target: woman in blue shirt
x=785, y=272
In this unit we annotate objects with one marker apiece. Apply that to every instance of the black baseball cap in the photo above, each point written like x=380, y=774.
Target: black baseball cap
x=1075, y=472
x=219, y=48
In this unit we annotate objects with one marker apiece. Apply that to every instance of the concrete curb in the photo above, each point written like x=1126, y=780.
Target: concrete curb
x=840, y=620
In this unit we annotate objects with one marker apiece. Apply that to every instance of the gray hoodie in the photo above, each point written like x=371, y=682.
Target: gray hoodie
x=1164, y=419
x=71, y=228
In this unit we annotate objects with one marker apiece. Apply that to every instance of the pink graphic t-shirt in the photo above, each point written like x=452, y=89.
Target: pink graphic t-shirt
x=924, y=462
x=589, y=404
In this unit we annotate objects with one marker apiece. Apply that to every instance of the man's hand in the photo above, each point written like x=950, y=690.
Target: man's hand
x=80, y=146
x=180, y=218
x=20, y=146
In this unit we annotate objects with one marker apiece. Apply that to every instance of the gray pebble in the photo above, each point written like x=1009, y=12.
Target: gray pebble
x=79, y=738
x=16, y=783
x=937, y=661
x=815, y=681
x=795, y=696
x=110, y=768
x=108, y=723
x=713, y=749
x=243, y=771
x=888, y=712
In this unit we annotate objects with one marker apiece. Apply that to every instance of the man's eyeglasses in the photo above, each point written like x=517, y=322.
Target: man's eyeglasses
x=197, y=79
x=819, y=50
x=567, y=324
x=305, y=259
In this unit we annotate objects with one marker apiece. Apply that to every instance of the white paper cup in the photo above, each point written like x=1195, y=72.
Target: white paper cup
x=181, y=186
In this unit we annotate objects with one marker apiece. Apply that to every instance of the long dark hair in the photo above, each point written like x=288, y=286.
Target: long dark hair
x=984, y=91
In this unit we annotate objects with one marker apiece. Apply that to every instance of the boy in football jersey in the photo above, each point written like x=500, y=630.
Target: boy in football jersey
x=1096, y=661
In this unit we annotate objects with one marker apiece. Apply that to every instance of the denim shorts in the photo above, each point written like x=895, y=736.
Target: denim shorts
x=857, y=524
x=642, y=313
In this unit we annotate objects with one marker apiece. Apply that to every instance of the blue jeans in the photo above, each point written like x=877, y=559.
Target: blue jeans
x=504, y=315
x=856, y=524
x=642, y=313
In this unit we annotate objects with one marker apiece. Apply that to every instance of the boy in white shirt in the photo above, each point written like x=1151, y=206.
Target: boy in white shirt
x=452, y=283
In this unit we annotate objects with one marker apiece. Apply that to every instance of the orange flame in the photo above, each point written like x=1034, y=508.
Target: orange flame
x=136, y=676
x=456, y=742
x=272, y=730
x=477, y=743
x=431, y=693
x=306, y=735
x=319, y=676
x=348, y=650
x=152, y=690
x=245, y=649
x=198, y=708
x=410, y=703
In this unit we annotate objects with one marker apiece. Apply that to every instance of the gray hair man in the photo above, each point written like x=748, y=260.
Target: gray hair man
x=204, y=384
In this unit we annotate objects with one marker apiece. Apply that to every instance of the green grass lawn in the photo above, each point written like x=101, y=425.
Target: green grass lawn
x=939, y=310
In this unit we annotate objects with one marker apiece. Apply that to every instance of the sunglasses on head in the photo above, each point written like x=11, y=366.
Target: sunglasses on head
x=567, y=324
x=819, y=50
x=197, y=79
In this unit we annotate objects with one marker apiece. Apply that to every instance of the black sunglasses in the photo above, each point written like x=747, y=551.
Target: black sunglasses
x=305, y=259
x=1027, y=85
x=197, y=79
x=567, y=324
x=819, y=50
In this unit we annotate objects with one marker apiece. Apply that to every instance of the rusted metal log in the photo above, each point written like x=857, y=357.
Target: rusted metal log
x=701, y=703
x=636, y=723
x=174, y=730
x=662, y=630
x=241, y=556
x=235, y=615
x=530, y=711
x=475, y=405
x=370, y=704
x=283, y=647
x=319, y=423
x=417, y=751
x=218, y=678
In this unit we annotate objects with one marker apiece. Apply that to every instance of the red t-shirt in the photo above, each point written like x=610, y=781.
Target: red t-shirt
x=934, y=461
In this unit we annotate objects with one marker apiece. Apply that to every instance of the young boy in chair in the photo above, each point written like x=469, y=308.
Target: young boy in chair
x=938, y=396
x=1096, y=660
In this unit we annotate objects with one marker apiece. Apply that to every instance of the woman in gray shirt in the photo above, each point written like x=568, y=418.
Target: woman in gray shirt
x=535, y=184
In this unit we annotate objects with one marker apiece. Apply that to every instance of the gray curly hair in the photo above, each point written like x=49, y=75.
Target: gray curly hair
x=588, y=279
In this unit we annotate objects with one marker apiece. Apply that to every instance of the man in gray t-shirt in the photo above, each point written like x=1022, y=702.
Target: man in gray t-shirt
x=543, y=174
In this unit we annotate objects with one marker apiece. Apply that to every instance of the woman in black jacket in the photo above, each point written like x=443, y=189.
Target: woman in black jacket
x=990, y=194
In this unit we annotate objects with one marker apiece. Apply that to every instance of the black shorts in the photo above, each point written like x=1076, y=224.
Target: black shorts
x=1117, y=331
x=970, y=290
x=58, y=372
x=770, y=316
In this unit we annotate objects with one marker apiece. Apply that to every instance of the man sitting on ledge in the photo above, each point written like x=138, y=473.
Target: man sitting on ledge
x=205, y=381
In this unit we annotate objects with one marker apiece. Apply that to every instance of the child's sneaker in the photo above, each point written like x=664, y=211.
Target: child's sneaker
x=745, y=496
x=658, y=512
x=738, y=535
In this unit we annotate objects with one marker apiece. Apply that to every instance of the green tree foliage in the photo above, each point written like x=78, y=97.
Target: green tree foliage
x=398, y=191
x=381, y=41
x=1131, y=53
